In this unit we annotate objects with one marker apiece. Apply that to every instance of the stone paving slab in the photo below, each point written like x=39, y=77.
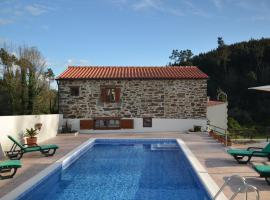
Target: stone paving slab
x=211, y=155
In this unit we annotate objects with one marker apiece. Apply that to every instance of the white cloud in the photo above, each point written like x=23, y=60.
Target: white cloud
x=119, y=1
x=259, y=10
x=5, y=21
x=143, y=4
x=69, y=61
x=36, y=9
x=178, y=8
x=12, y=11
x=82, y=62
x=261, y=18
x=157, y=5
x=194, y=9
x=218, y=3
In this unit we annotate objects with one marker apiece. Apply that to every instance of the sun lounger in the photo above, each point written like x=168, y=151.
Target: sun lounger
x=264, y=171
x=9, y=168
x=17, y=150
x=250, y=152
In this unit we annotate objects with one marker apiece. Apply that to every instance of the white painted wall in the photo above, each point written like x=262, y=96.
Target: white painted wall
x=217, y=115
x=16, y=125
x=158, y=125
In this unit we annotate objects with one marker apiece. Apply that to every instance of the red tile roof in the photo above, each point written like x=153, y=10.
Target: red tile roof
x=94, y=72
x=214, y=103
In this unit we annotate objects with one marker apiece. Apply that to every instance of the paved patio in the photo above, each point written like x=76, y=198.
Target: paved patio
x=211, y=154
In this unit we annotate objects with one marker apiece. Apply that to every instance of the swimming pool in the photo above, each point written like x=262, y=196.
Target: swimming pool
x=153, y=169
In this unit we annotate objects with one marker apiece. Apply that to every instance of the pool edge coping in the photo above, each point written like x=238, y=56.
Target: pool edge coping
x=209, y=184
x=27, y=185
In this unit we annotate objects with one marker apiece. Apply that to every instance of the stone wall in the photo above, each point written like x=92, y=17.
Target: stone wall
x=175, y=99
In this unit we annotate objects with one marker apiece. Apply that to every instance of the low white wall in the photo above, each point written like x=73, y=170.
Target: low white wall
x=217, y=115
x=16, y=125
x=158, y=125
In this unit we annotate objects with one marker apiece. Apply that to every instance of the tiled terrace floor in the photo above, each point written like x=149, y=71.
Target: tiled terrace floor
x=211, y=154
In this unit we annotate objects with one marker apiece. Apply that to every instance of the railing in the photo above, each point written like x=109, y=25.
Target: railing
x=250, y=133
x=243, y=187
x=219, y=130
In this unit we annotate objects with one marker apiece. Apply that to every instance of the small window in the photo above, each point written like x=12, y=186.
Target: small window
x=107, y=124
x=147, y=122
x=110, y=94
x=74, y=91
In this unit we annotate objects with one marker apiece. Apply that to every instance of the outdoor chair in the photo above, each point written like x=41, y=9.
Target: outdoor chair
x=264, y=171
x=9, y=168
x=250, y=152
x=17, y=150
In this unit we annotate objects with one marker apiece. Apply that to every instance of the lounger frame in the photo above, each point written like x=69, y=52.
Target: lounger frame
x=239, y=158
x=12, y=171
x=17, y=150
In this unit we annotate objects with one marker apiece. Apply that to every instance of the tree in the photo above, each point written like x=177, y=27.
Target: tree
x=235, y=68
x=35, y=66
x=25, y=82
x=221, y=95
x=50, y=76
x=221, y=42
x=10, y=76
x=182, y=57
x=23, y=63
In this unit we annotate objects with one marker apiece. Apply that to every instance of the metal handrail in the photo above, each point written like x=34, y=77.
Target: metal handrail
x=217, y=127
x=244, y=186
x=225, y=132
x=255, y=189
x=226, y=183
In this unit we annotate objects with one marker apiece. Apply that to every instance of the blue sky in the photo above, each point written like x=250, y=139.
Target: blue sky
x=128, y=32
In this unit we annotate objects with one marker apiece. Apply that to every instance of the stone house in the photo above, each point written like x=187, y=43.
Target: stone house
x=140, y=99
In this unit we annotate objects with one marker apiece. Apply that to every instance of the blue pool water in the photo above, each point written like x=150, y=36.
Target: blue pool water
x=124, y=171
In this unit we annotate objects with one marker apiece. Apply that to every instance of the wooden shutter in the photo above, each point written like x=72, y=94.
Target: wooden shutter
x=127, y=123
x=103, y=94
x=86, y=124
x=117, y=94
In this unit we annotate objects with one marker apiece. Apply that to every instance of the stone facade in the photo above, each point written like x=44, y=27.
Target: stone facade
x=171, y=99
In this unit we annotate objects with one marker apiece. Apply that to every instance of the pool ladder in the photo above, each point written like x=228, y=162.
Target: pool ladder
x=243, y=187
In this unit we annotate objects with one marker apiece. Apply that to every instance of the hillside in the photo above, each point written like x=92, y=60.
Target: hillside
x=233, y=69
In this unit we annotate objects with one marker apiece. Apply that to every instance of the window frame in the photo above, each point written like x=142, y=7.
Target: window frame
x=145, y=125
x=108, y=127
x=108, y=97
x=74, y=88
x=105, y=94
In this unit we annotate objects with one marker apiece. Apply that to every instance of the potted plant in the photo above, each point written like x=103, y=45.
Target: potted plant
x=30, y=134
x=211, y=133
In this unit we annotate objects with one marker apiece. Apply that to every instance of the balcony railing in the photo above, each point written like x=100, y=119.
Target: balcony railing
x=238, y=134
x=222, y=134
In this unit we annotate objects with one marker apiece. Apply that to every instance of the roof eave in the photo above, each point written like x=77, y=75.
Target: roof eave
x=62, y=79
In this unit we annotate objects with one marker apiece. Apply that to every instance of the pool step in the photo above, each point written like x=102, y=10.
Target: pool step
x=164, y=147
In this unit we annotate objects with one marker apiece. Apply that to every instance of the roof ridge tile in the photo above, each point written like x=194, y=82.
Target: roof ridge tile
x=132, y=72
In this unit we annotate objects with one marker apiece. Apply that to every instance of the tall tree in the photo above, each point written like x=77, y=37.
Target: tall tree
x=50, y=76
x=24, y=63
x=35, y=66
x=25, y=82
x=181, y=57
x=234, y=68
x=221, y=42
x=10, y=76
